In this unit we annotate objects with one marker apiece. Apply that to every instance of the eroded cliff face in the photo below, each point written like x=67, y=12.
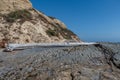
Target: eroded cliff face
x=7, y=6
x=23, y=24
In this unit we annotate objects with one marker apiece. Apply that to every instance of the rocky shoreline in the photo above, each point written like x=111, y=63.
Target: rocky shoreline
x=93, y=62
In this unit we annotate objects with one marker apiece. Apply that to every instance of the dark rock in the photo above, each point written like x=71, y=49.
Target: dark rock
x=116, y=60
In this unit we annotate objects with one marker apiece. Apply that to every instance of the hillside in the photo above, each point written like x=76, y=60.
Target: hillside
x=21, y=23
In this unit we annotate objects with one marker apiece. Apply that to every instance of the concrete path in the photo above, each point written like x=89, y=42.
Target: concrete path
x=11, y=47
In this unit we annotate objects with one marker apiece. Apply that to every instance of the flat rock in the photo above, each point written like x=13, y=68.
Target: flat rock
x=64, y=63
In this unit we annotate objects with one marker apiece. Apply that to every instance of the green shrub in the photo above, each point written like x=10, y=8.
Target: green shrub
x=20, y=14
x=52, y=32
x=66, y=33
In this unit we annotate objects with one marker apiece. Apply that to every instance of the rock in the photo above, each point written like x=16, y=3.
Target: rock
x=109, y=76
x=116, y=60
x=60, y=63
x=64, y=75
x=1, y=61
x=2, y=45
x=7, y=6
x=91, y=73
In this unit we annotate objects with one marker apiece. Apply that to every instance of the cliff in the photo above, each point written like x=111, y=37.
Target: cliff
x=21, y=23
x=7, y=6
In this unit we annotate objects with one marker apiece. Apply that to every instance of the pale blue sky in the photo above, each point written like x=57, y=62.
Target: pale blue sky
x=91, y=20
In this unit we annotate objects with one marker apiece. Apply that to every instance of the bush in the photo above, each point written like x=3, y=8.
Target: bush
x=20, y=14
x=52, y=32
x=66, y=33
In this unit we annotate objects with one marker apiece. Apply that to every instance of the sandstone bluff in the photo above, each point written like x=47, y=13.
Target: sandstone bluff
x=21, y=23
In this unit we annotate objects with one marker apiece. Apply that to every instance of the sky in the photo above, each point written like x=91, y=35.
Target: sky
x=91, y=20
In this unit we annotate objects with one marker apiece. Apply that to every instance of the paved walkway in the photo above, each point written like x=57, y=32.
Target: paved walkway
x=11, y=47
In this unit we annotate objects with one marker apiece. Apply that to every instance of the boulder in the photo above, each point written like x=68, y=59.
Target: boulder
x=116, y=60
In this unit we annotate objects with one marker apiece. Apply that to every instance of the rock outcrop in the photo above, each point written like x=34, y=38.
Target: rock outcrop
x=7, y=6
x=93, y=62
x=20, y=23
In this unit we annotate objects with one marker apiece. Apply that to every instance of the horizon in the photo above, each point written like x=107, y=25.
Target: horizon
x=91, y=20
